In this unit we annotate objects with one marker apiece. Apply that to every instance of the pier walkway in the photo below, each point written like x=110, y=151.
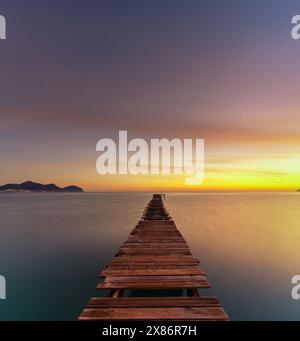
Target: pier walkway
x=155, y=258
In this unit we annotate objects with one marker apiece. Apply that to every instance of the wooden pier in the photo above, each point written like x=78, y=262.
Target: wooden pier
x=155, y=257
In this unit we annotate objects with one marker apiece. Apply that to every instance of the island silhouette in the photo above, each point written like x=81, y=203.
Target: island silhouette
x=30, y=186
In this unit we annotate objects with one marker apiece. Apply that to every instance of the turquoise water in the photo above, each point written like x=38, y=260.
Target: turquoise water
x=53, y=246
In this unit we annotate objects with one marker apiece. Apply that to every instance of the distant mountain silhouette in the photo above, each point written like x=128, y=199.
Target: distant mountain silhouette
x=30, y=186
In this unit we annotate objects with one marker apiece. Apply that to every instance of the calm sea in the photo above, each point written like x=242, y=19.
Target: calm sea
x=53, y=246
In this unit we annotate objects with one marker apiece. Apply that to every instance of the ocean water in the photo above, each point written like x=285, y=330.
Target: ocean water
x=53, y=246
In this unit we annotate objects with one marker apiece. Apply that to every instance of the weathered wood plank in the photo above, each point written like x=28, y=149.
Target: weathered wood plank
x=154, y=246
x=159, y=259
x=155, y=284
x=151, y=267
x=98, y=302
x=151, y=272
x=156, y=251
x=183, y=313
x=153, y=258
x=150, y=278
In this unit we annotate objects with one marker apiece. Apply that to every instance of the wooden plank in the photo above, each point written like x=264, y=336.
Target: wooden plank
x=151, y=251
x=98, y=302
x=156, y=223
x=156, y=240
x=152, y=272
x=150, y=278
x=155, y=284
x=150, y=267
x=156, y=232
x=154, y=245
x=146, y=222
x=155, y=250
x=157, y=263
x=158, y=252
x=154, y=259
x=153, y=242
x=156, y=237
x=175, y=260
x=151, y=258
x=183, y=313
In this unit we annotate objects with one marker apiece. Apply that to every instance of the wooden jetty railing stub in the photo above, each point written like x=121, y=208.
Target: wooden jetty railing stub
x=155, y=256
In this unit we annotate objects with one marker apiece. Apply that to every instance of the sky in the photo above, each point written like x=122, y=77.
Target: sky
x=73, y=72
